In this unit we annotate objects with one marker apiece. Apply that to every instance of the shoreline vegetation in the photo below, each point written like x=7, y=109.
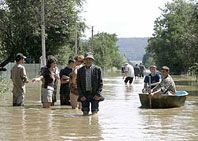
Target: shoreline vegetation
x=5, y=85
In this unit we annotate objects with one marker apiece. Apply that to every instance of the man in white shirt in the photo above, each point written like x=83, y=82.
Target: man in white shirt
x=128, y=73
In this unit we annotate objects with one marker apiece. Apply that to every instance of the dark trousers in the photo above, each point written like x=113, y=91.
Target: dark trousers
x=90, y=101
x=130, y=79
x=64, y=99
x=54, y=96
x=141, y=74
x=64, y=95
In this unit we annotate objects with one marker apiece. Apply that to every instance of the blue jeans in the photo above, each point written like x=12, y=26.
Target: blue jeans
x=86, y=104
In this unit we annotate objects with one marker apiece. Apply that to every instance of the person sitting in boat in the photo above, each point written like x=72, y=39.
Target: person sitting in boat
x=166, y=86
x=151, y=80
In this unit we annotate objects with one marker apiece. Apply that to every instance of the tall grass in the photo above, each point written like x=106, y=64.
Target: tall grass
x=5, y=86
x=193, y=71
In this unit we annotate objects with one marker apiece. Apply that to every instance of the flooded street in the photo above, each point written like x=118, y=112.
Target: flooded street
x=119, y=118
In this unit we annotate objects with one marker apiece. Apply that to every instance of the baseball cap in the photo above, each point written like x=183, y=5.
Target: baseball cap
x=20, y=56
x=165, y=68
x=89, y=55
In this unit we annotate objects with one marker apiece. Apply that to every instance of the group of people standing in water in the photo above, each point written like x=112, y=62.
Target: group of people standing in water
x=80, y=83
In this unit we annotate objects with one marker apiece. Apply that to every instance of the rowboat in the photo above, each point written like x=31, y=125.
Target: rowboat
x=163, y=101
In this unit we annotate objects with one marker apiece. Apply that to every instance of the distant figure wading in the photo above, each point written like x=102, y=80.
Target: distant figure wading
x=128, y=73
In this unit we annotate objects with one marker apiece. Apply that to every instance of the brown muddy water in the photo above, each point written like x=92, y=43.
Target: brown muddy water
x=119, y=118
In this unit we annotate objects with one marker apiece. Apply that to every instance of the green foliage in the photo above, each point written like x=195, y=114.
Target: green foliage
x=193, y=70
x=20, y=31
x=105, y=50
x=148, y=60
x=65, y=53
x=4, y=86
x=174, y=42
x=20, y=26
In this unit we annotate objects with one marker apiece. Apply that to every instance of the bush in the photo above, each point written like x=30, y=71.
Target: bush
x=193, y=70
x=4, y=85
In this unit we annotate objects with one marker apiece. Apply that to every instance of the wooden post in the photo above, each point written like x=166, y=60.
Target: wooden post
x=92, y=30
x=43, y=32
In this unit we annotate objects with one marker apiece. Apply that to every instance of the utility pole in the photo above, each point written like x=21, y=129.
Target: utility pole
x=92, y=32
x=76, y=39
x=43, y=32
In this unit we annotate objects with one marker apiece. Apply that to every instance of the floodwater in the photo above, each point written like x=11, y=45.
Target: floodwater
x=119, y=118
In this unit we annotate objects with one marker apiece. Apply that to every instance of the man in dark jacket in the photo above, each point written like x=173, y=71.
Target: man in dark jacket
x=89, y=84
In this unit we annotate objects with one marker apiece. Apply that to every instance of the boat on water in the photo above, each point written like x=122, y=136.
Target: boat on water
x=163, y=101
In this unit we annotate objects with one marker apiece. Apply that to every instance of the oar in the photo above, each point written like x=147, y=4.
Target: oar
x=149, y=91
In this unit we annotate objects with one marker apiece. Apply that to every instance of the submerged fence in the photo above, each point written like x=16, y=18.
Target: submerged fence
x=31, y=69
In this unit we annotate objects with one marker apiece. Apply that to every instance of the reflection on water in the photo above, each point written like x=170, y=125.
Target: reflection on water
x=119, y=118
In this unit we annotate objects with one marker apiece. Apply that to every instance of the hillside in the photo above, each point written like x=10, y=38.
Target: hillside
x=132, y=48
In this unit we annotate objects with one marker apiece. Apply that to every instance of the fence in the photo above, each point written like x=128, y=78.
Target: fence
x=31, y=69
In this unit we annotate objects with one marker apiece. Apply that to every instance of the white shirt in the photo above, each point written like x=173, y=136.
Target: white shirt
x=129, y=70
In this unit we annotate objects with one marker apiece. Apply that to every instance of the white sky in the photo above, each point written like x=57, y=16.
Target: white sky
x=126, y=18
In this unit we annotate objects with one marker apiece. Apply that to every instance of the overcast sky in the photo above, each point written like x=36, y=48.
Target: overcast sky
x=126, y=18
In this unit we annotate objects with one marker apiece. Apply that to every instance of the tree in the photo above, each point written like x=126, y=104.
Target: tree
x=105, y=50
x=171, y=43
x=20, y=28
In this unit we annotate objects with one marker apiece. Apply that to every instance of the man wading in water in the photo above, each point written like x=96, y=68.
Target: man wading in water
x=19, y=78
x=89, y=85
